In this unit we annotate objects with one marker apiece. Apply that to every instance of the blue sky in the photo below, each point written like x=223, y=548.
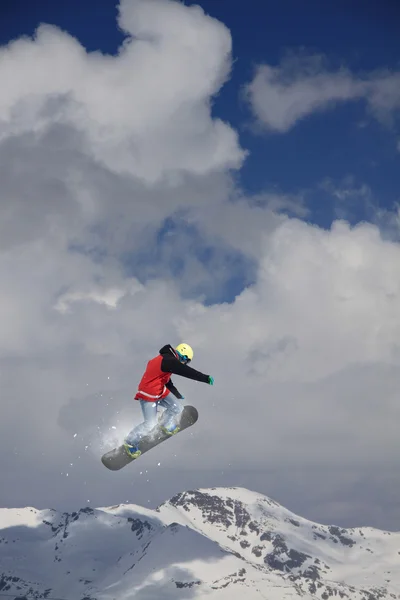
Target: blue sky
x=332, y=145
x=327, y=145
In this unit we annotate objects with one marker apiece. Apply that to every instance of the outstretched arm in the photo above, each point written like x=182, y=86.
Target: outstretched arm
x=170, y=364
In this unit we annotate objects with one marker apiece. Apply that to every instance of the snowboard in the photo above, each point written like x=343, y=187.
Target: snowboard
x=118, y=458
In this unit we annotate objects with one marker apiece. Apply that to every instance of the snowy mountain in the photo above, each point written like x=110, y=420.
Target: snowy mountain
x=219, y=544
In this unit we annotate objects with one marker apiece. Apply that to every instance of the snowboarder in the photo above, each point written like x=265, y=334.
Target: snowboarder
x=155, y=389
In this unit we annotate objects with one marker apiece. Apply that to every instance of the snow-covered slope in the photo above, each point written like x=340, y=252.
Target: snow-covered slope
x=219, y=544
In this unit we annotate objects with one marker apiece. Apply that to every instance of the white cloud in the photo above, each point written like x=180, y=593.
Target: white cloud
x=383, y=93
x=137, y=112
x=80, y=216
x=281, y=96
x=109, y=297
x=347, y=190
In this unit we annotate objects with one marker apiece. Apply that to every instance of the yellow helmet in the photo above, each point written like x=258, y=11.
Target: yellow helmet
x=185, y=351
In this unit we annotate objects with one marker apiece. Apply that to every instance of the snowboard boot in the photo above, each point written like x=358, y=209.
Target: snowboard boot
x=170, y=430
x=132, y=451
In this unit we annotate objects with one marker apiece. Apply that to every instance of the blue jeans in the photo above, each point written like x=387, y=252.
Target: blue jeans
x=173, y=408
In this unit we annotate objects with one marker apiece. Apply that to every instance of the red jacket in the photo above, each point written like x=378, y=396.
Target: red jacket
x=152, y=386
x=156, y=382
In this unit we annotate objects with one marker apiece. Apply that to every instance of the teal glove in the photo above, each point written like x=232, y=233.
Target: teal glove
x=210, y=380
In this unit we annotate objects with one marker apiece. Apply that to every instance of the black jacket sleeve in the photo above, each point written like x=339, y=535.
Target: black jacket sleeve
x=170, y=386
x=170, y=364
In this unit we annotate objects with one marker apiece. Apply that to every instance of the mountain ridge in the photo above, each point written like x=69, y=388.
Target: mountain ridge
x=209, y=542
